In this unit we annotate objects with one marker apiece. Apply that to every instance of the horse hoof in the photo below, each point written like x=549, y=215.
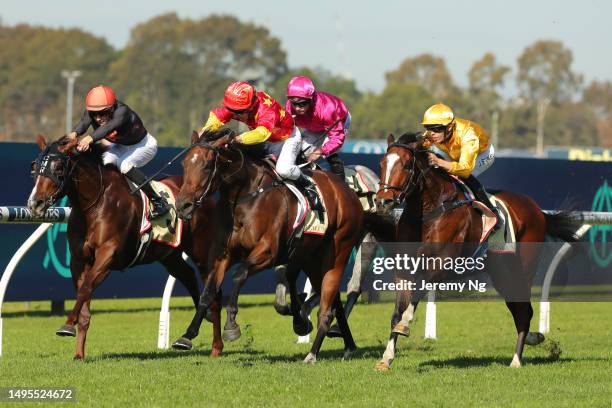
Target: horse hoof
x=302, y=329
x=282, y=309
x=66, y=331
x=382, y=366
x=310, y=359
x=334, y=331
x=401, y=329
x=232, y=334
x=214, y=353
x=182, y=344
x=516, y=362
x=534, y=338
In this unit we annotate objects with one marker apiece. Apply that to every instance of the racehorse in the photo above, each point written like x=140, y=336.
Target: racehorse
x=258, y=218
x=437, y=211
x=104, y=225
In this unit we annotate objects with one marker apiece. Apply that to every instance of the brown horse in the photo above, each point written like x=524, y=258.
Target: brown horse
x=258, y=218
x=103, y=229
x=436, y=211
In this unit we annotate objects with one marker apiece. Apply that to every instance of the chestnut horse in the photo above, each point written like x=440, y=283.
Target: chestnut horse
x=258, y=218
x=103, y=229
x=436, y=212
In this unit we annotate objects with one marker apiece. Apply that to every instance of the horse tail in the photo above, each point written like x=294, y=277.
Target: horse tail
x=562, y=224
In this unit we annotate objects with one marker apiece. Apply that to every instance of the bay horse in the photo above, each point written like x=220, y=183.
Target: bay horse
x=436, y=211
x=103, y=229
x=257, y=214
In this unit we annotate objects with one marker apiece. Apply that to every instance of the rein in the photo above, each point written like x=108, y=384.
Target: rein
x=411, y=184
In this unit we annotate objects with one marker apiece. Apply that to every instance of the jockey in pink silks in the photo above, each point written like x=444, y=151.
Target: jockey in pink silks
x=323, y=120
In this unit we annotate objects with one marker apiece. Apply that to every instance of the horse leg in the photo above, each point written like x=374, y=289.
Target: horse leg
x=301, y=324
x=177, y=267
x=209, y=295
x=522, y=312
x=280, y=303
x=231, y=330
x=349, y=342
x=363, y=259
x=329, y=288
x=84, y=319
x=402, y=303
x=78, y=269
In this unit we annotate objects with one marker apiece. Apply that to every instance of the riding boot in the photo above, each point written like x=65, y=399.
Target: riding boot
x=336, y=165
x=481, y=195
x=160, y=206
x=306, y=185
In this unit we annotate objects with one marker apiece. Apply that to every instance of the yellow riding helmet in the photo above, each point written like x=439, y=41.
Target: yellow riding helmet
x=438, y=114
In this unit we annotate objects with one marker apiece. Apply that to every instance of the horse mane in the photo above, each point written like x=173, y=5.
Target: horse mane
x=212, y=135
x=410, y=138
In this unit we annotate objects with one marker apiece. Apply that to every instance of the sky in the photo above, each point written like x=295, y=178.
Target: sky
x=365, y=39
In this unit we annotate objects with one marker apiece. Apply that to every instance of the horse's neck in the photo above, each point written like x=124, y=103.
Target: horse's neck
x=436, y=189
x=245, y=181
x=87, y=184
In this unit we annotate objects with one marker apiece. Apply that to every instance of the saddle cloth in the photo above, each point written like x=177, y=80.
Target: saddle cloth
x=364, y=187
x=167, y=229
x=307, y=216
x=504, y=239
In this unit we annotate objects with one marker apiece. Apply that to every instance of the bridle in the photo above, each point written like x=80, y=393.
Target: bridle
x=413, y=181
x=217, y=153
x=42, y=167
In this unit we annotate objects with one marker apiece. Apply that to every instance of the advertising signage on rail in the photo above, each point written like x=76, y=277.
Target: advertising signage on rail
x=44, y=273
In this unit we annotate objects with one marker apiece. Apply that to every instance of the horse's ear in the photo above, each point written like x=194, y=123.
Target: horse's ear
x=41, y=142
x=390, y=139
x=195, y=136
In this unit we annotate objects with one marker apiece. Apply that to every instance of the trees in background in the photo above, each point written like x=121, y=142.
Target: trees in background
x=173, y=70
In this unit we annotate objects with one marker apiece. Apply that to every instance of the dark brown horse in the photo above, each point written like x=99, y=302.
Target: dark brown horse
x=103, y=229
x=436, y=211
x=258, y=218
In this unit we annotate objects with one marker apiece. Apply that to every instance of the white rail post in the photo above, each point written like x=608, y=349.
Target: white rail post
x=163, y=335
x=430, y=315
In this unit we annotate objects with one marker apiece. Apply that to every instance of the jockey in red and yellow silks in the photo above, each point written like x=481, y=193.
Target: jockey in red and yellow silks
x=265, y=117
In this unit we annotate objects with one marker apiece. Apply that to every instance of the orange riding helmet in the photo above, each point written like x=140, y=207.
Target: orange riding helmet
x=239, y=96
x=99, y=98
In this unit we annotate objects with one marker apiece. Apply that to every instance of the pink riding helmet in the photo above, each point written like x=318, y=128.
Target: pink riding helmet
x=300, y=87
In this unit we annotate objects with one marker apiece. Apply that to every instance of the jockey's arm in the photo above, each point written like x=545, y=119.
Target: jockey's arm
x=213, y=123
x=83, y=125
x=120, y=116
x=258, y=135
x=467, y=161
x=335, y=138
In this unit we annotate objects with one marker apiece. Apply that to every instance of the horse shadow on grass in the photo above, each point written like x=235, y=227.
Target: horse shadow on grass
x=486, y=361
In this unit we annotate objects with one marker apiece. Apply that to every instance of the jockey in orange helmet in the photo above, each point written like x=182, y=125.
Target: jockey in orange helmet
x=269, y=126
x=466, y=144
x=130, y=145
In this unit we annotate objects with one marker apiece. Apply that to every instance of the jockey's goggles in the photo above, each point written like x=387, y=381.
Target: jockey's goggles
x=300, y=103
x=436, y=128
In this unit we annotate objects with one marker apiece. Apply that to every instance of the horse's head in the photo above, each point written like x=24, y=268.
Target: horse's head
x=397, y=172
x=208, y=159
x=50, y=170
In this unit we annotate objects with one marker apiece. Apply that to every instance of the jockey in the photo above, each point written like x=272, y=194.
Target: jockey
x=465, y=143
x=323, y=119
x=269, y=126
x=130, y=147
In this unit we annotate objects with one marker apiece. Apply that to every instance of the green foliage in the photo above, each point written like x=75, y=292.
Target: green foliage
x=425, y=70
x=399, y=108
x=32, y=91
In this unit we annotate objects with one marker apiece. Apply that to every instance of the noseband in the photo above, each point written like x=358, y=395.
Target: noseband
x=413, y=180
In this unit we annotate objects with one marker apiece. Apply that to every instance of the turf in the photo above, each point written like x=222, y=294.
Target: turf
x=466, y=366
